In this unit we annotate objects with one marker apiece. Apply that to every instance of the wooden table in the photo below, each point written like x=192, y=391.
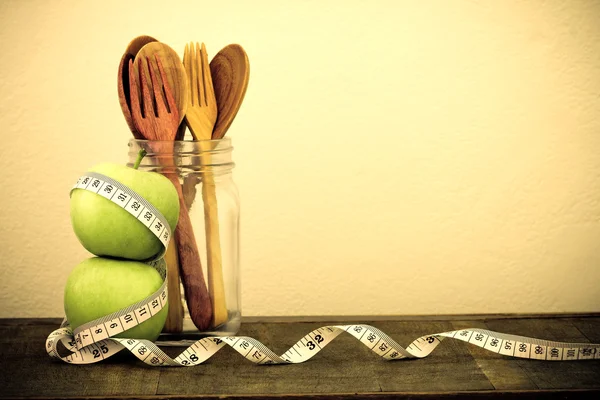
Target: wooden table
x=345, y=369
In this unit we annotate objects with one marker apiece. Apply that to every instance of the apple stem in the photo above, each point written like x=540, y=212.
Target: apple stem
x=141, y=155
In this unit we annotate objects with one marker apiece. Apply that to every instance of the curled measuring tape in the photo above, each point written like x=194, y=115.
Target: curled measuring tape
x=95, y=341
x=380, y=343
x=129, y=200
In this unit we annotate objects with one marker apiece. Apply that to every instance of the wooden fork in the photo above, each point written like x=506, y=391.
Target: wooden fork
x=201, y=114
x=161, y=124
x=200, y=118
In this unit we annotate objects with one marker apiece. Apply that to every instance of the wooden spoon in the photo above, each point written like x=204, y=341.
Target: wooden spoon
x=160, y=120
x=123, y=80
x=230, y=70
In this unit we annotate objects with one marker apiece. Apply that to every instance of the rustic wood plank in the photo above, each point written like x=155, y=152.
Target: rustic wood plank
x=419, y=318
x=474, y=395
x=589, y=327
x=549, y=374
x=28, y=371
x=450, y=367
x=345, y=369
x=503, y=372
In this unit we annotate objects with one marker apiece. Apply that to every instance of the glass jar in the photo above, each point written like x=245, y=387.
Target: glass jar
x=203, y=256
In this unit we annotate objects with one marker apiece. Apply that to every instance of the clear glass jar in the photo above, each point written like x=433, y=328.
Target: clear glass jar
x=202, y=173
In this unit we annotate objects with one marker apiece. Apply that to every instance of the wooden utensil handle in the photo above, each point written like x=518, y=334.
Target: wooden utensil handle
x=216, y=286
x=174, y=323
x=192, y=277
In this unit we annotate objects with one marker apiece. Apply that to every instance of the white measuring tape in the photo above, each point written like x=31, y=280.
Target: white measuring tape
x=380, y=343
x=129, y=200
x=95, y=341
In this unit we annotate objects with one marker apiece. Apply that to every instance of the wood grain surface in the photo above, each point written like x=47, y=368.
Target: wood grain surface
x=345, y=369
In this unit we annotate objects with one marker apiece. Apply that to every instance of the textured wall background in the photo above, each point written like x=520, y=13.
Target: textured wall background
x=393, y=157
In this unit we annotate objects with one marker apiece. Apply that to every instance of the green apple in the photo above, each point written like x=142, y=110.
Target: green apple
x=106, y=229
x=100, y=286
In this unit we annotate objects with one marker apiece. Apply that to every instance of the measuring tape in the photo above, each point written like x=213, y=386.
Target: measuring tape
x=307, y=347
x=129, y=200
x=95, y=341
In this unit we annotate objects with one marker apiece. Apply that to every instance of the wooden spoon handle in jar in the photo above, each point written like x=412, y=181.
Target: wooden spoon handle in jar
x=192, y=277
x=216, y=286
x=174, y=323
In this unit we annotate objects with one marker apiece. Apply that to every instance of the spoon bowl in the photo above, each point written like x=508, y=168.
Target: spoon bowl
x=230, y=71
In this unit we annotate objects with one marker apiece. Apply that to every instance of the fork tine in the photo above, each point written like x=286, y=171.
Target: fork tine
x=168, y=92
x=161, y=108
x=209, y=91
x=200, y=76
x=134, y=91
x=187, y=64
x=146, y=97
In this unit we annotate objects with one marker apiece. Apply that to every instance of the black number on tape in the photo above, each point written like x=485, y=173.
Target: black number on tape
x=522, y=347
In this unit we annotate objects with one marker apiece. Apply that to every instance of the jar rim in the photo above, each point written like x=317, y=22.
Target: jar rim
x=222, y=140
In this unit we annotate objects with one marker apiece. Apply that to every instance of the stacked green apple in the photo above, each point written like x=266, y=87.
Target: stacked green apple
x=118, y=276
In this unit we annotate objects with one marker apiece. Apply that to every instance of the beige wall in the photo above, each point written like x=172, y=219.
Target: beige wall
x=393, y=157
